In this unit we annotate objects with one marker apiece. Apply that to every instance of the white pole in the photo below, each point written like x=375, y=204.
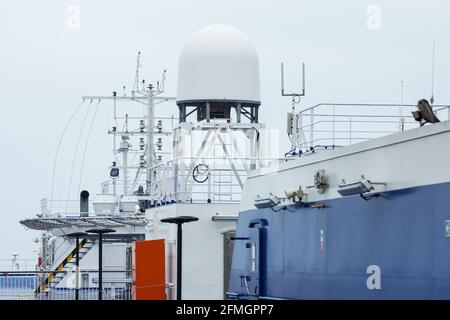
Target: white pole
x=150, y=136
x=400, y=109
x=125, y=169
x=311, y=133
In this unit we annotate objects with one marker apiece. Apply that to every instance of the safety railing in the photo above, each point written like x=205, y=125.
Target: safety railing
x=60, y=252
x=22, y=285
x=58, y=207
x=203, y=180
x=195, y=179
x=334, y=124
x=18, y=264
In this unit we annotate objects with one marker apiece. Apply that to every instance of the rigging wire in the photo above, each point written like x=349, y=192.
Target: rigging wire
x=87, y=142
x=75, y=155
x=57, y=150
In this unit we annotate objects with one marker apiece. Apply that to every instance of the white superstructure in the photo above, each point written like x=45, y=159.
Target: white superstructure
x=217, y=143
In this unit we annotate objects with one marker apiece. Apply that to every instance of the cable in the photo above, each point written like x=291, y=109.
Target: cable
x=289, y=152
x=75, y=156
x=196, y=171
x=57, y=151
x=87, y=142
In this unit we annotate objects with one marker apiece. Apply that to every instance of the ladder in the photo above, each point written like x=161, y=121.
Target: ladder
x=57, y=275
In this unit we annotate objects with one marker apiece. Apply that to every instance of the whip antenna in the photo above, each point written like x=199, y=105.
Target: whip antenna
x=432, y=77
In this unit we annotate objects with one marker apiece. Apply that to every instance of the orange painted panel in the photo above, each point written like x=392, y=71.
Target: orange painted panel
x=149, y=268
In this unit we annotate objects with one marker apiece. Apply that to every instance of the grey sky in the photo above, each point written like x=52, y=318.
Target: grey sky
x=46, y=67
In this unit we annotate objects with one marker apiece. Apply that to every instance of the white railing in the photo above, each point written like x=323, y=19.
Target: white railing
x=175, y=180
x=22, y=286
x=108, y=187
x=18, y=264
x=59, y=253
x=221, y=182
x=51, y=208
x=333, y=125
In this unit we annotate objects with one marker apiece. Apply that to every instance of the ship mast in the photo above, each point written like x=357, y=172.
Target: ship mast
x=150, y=136
x=148, y=96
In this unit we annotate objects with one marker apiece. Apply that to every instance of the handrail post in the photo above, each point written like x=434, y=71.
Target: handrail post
x=350, y=128
x=311, y=133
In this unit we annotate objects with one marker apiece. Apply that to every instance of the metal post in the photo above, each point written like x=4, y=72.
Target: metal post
x=311, y=133
x=77, y=268
x=350, y=128
x=179, y=259
x=125, y=170
x=238, y=113
x=100, y=267
x=150, y=136
x=334, y=120
x=208, y=112
x=100, y=233
x=179, y=221
x=77, y=236
x=261, y=224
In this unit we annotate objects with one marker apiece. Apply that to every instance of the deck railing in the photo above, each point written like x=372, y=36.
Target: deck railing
x=337, y=124
x=22, y=285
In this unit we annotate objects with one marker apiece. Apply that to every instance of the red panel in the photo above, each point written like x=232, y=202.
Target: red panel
x=149, y=268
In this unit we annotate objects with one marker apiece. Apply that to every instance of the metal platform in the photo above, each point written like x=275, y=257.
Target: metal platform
x=95, y=221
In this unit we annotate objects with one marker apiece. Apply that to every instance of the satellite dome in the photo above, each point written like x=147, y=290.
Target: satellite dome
x=218, y=63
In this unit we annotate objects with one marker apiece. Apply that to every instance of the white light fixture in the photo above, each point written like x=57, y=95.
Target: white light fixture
x=269, y=202
x=360, y=187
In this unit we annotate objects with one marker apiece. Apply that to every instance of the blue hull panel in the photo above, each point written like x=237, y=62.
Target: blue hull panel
x=310, y=253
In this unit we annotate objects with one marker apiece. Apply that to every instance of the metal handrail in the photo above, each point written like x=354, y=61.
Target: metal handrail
x=7, y=272
x=330, y=126
x=443, y=106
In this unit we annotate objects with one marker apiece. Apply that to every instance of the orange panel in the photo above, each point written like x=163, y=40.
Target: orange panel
x=149, y=277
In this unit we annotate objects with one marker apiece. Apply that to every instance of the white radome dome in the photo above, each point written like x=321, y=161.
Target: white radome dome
x=218, y=63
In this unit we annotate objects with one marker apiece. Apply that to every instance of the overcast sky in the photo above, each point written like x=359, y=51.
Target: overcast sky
x=356, y=51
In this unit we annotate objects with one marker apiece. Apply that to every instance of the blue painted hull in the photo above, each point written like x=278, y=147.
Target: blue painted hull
x=308, y=253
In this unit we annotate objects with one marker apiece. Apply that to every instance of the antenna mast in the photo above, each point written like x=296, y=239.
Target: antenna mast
x=432, y=78
x=138, y=66
x=295, y=96
x=294, y=120
x=400, y=109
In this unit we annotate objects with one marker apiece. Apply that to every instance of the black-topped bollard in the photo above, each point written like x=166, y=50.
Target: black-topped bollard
x=77, y=236
x=179, y=221
x=100, y=233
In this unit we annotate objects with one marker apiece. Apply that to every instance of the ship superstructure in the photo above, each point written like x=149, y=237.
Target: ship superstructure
x=360, y=214
x=215, y=141
x=357, y=208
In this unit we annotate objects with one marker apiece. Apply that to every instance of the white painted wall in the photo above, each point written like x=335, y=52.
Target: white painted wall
x=412, y=158
x=202, y=246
